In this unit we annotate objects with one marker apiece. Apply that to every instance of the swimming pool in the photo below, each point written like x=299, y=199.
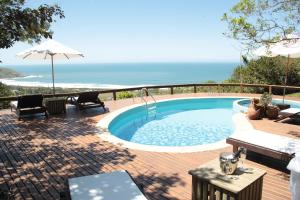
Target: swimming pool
x=177, y=123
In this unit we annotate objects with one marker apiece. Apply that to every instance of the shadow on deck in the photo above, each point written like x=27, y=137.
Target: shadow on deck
x=38, y=155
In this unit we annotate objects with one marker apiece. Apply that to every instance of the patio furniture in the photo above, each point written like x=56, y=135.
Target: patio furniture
x=294, y=167
x=56, y=105
x=28, y=105
x=208, y=182
x=276, y=146
x=288, y=113
x=282, y=106
x=87, y=100
x=50, y=49
x=108, y=186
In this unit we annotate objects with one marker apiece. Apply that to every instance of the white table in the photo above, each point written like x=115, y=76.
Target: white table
x=117, y=185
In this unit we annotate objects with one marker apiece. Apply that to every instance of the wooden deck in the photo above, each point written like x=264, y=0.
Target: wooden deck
x=38, y=155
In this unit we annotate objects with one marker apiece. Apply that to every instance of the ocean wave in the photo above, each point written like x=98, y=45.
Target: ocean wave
x=24, y=77
x=67, y=85
x=32, y=76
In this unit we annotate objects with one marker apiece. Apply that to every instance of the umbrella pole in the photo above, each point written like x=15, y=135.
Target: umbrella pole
x=52, y=74
x=285, y=78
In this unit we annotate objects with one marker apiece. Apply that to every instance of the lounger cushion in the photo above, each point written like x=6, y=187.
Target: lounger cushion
x=30, y=101
x=87, y=100
x=14, y=104
x=109, y=186
x=271, y=141
x=289, y=111
x=85, y=97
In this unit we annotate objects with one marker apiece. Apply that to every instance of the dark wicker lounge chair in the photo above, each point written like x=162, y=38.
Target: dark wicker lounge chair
x=289, y=113
x=87, y=100
x=28, y=105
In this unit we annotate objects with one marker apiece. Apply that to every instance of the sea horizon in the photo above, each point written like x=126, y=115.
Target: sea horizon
x=120, y=75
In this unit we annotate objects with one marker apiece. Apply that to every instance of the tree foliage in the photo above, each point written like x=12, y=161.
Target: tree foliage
x=262, y=22
x=5, y=90
x=20, y=23
x=267, y=71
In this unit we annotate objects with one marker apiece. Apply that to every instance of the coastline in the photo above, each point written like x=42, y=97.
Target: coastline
x=6, y=72
x=119, y=75
x=29, y=84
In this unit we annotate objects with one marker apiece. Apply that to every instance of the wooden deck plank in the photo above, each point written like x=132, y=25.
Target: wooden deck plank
x=38, y=155
x=37, y=159
x=37, y=180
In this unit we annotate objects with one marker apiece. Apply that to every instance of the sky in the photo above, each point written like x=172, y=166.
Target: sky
x=108, y=31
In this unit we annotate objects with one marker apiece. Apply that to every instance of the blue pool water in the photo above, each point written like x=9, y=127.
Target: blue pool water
x=184, y=122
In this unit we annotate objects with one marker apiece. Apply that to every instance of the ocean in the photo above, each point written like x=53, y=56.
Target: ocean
x=119, y=75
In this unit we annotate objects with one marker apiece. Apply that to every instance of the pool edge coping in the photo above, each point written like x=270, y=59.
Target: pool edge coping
x=240, y=120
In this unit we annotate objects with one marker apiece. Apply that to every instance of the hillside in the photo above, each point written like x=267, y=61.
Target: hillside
x=9, y=73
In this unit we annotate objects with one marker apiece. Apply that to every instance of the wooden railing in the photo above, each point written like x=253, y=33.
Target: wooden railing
x=219, y=87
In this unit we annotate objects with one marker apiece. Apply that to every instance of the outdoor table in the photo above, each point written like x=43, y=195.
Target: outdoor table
x=56, y=105
x=116, y=185
x=208, y=182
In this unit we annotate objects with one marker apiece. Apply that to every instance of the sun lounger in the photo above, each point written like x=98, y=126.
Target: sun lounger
x=108, y=186
x=29, y=104
x=272, y=145
x=87, y=100
x=288, y=113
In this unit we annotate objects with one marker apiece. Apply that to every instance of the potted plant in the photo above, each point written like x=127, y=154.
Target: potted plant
x=253, y=112
x=272, y=111
x=264, y=101
x=267, y=109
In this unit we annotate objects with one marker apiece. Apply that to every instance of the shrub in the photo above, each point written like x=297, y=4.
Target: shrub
x=265, y=99
x=124, y=95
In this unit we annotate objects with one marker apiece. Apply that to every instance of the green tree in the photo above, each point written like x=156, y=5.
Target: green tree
x=20, y=23
x=267, y=71
x=262, y=22
x=5, y=90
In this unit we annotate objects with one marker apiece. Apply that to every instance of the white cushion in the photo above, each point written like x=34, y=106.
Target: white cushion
x=108, y=186
x=269, y=140
x=14, y=104
x=289, y=111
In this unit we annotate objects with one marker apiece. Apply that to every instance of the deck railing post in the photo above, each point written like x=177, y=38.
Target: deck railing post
x=172, y=90
x=115, y=95
x=241, y=88
x=270, y=89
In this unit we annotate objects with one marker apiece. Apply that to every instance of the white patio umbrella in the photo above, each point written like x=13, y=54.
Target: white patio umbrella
x=288, y=48
x=50, y=49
